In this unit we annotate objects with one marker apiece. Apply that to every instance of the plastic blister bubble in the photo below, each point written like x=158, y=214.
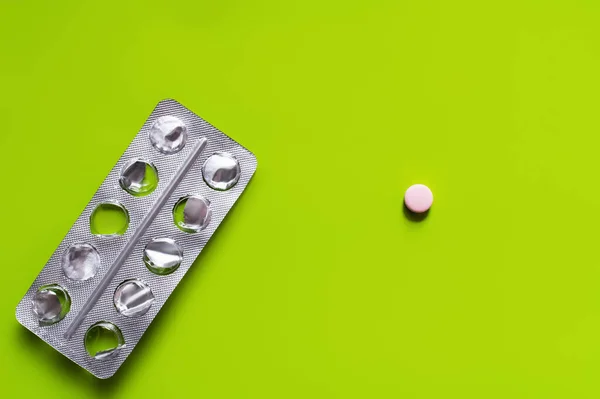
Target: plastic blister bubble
x=136, y=239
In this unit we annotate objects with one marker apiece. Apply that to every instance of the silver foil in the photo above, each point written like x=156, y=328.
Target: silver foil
x=109, y=247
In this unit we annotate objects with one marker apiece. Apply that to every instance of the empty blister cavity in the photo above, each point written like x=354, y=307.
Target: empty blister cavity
x=162, y=256
x=221, y=171
x=138, y=177
x=168, y=134
x=135, y=237
x=103, y=340
x=102, y=306
x=133, y=298
x=192, y=213
x=80, y=261
x=50, y=304
x=109, y=219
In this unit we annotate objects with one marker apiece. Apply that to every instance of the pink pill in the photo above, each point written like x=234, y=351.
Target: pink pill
x=418, y=198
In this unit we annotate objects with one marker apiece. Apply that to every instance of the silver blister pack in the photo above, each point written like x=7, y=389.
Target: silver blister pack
x=136, y=239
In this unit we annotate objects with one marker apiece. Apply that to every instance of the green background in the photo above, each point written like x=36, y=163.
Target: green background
x=317, y=285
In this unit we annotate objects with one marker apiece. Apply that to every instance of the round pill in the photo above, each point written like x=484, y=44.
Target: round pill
x=418, y=198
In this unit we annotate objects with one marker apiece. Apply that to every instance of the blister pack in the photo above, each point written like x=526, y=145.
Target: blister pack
x=136, y=239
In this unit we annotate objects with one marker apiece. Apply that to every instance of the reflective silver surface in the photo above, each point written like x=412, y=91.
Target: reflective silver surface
x=103, y=340
x=80, y=261
x=133, y=298
x=50, y=304
x=138, y=177
x=111, y=248
x=221, y=171
x=192, y=214
x=168, y=134
x=163, y=256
